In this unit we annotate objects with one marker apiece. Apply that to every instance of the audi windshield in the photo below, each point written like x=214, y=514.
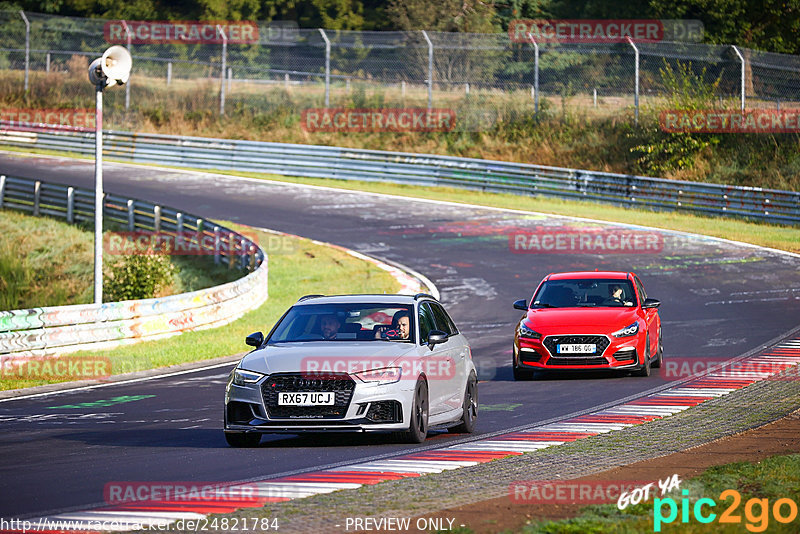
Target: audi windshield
x=345, y=322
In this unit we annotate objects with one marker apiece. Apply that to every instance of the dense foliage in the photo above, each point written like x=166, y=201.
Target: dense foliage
x=138, y=277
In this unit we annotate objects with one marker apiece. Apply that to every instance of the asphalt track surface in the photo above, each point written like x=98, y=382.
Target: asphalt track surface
x=720, y=300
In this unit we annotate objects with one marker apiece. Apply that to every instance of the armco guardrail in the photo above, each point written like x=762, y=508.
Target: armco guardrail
x=62, y=329
x=371, y=165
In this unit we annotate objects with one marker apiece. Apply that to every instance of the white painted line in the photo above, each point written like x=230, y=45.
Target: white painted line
x=275, y=490
x=504, y=445
x=646, y=410
x=424, y=464
x=697, y=392
x=737, y=375
x=580, y=427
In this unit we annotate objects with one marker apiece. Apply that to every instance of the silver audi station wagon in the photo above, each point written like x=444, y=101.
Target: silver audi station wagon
x=354, y=363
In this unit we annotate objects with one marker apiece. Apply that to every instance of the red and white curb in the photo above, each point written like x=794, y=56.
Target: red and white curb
x=635, y=412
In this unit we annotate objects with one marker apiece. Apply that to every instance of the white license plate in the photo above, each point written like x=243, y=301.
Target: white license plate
x=577, y=348
x=301, y=398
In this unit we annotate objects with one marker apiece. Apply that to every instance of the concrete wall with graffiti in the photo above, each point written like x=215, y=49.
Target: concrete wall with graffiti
x=52, y=331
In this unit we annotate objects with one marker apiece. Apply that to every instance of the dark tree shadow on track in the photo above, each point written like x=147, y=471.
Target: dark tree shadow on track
x=212, y=438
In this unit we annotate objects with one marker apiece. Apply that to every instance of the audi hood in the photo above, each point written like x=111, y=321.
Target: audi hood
x=325, y=356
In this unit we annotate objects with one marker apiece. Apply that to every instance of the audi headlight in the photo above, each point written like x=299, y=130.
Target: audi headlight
x=384, y=375
x=244, y=378
x=628, y=331
x=526, y=332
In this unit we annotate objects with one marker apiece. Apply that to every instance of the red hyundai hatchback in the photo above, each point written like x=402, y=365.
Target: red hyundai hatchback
x=587, y=321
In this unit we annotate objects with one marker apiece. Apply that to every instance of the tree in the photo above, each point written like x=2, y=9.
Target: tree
x=473, y=16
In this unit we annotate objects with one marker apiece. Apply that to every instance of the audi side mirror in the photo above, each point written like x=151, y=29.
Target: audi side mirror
x=435, y=337
x=255, y=339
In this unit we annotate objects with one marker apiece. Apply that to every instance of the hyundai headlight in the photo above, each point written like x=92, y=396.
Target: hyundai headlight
x=245, y=378
x=384, y=375
x=628, y=331
x=526, y=332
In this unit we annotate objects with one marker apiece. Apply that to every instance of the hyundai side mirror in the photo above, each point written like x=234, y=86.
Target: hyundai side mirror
x=651, y=303
x=521, y=304
x=255, y=339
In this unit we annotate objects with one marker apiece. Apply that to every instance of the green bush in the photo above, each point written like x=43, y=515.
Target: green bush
x=658, y=152
x=138, y=277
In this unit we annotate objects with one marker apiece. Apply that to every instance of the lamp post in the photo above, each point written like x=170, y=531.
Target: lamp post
x=113, y=68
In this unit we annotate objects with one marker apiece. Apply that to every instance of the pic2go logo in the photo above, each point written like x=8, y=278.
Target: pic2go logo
x=756, y=511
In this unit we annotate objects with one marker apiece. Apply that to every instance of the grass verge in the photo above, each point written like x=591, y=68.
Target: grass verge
x=760, y=486
x=301, y=267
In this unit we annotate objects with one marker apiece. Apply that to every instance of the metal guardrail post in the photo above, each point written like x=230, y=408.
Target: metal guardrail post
x=27, y=47
x=70, y=205
x=179, y=229
x=636, y=81
x=37, y=188
x=2, y=189
x=216, y=245
x=169, y=73
x=131, y=215
x=47, y=64
x=231, y=250
x=327, y=67
x=741, y=58
x=535, y=73
x=157, y=218
x=430, y=69
x=222, y=74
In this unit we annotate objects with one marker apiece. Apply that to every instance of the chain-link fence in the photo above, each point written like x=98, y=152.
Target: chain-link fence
x=284, y=70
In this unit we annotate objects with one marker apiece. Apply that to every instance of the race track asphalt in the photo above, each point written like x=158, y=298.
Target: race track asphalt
x=719, y=300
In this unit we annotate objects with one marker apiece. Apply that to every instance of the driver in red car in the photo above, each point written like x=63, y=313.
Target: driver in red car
x=616, y=296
